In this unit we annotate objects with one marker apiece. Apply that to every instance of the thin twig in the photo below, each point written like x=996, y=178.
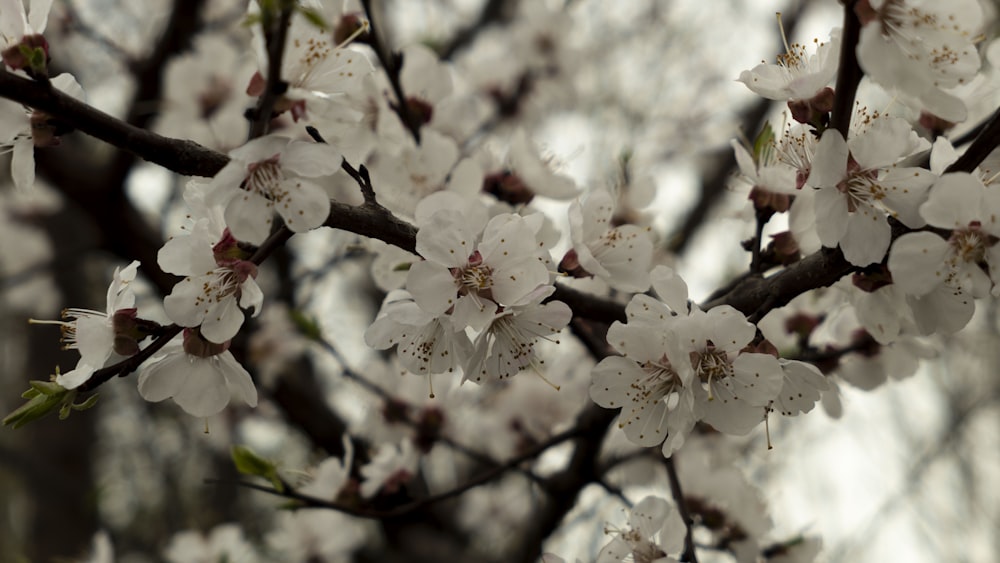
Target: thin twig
x=392, y=63
x=482, y=479
x=675, y=490
x=275, y=38
x=390, y=398
x=360, y=176
x=849, y=74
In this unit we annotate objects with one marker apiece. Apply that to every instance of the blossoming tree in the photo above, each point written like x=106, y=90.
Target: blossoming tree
x=355, y=265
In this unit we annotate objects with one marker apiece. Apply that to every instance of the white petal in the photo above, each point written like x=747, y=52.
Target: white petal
x=260, y=149
x=249, y=217
x=306, y=206
x=76, y=377
x=186, y=255
x=237, y=379
x=831, y=216
x=67, y=83
x=251, y=296
x=204, y=391
x=161, y=380
x=95, y=339
x=670, y=288
x=917, y=262
x=829, y=166
x=432, y=287
x=944, y=310
x=222, y=321
x=446, y=239
x=867, y=238
x=311, y=160
x=38, y=15
x=186, y=305
x=955, y=201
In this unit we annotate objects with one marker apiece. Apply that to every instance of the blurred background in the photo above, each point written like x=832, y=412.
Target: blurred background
x=629, y=93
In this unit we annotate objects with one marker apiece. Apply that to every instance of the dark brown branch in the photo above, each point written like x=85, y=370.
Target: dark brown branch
x=183, y=157
x=360, y=176
x=392, y=62
x=849, y=74
x=275, y=35
x=987, y=140
x=678, y=494
x=494, y=11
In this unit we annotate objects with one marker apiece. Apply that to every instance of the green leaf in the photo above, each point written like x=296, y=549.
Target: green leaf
x=47, y=387
x=43, y=400
x=402, y=267
x=249, y=463
x=314, y=17
x=308, y=326
x=87, y=404
x=763, y=145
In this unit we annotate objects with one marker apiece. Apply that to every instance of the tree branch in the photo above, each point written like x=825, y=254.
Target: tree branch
x=849, y=74
x=183, y=157
x=392, y=63
x=675, y=490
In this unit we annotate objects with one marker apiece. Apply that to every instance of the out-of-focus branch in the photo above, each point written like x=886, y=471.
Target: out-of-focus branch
x=76, y=24
x=418, y=504
x=678, y=494
x=392, y=62
x=849, y=74
x=183, y=157
x=723, y=163
x=494, y=11
x=275, y=35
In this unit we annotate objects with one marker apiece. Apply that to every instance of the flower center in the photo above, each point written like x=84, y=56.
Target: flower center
x=711, y=365
x=265, y=179
x=476, y=278
x=970, y=244
x=861, y=187
x=660, y=380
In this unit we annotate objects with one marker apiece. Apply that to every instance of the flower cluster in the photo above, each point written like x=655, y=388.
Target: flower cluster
x=680, y=365
x=488, y=276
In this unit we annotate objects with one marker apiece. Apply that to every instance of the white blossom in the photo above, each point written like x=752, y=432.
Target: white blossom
x=797, y=74
x=270, y=174
x=618, y=255
x=859, y=184
x=93, y=332
x=199, y=377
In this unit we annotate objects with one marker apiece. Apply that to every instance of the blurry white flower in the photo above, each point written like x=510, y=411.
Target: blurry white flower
x=93, y=332
x=269, y=174
x=199, y=376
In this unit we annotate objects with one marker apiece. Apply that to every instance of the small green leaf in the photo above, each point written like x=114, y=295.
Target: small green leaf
x=251, y=20
x=763, y=145
x=249, y=463
x=314, y=17
x=87, y=404
x=308, y=326
x=47, y=387
x=43, y=400
x=402, y=267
